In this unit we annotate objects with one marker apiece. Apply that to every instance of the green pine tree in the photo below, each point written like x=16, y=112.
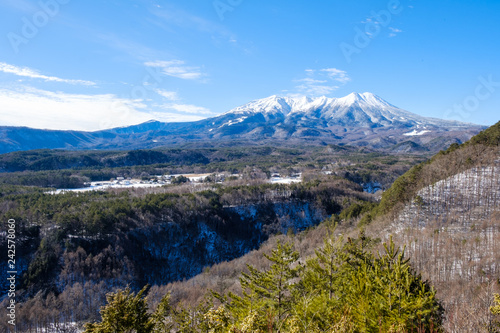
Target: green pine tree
x=125, y=312
x=162, y=317
x=267, y=296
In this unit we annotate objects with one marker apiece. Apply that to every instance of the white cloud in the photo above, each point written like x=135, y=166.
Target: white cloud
x=170, y=95
x=178, y=69
x=172, y=16
x=49, y=110
x=188, y=108
x=394, y=31
x=316, y=90
x=178, y=111
x=170, y=117
x=336, y=75
x=322, y=82
x=33, y=74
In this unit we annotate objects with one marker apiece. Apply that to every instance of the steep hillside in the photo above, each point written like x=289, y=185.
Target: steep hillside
x=448, y=212
x=481, y=150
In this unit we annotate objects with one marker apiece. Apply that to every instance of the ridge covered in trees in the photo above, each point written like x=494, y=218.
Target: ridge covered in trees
x=481, y=149
x=446, y=210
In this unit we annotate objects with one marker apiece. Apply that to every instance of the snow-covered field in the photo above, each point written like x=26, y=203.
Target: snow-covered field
x=102, y=186
x=162, y=180
x=284, y=180
x=132, y=183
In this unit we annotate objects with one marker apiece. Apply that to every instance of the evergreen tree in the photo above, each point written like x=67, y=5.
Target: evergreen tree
x=267, y=296
x=125, y=312
x=385, y=294
x=161, y=318
x=348, y=284
x=319, y=291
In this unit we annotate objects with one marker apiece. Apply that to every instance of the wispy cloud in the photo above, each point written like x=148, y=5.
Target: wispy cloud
x=322, y=81
x=188, y=108
x=170, y=117
x=33, y=74
x=394, y=31
x=181, y=110
x=37, y=108
x=336, y=75
x=126, y=45
x=173, y=16
x=178, y=69
x=170, y=95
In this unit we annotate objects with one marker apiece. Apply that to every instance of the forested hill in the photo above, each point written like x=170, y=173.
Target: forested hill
x=447, y=210
x=482, y=149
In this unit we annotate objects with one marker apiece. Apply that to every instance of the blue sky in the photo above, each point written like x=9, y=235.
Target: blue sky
x=89, y=65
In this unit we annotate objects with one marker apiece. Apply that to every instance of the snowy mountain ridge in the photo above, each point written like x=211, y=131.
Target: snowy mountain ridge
x=305, y=103
x=366, y=108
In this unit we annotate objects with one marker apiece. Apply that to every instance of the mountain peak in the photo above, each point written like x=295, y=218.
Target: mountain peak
x=351, y=98
x=366, y=100
x=366, y=97
x=354, y=95
x=283, y=106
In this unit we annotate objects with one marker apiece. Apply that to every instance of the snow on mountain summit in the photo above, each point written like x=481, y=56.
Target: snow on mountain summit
x=286, y=105
x=356, y=109
x=366, y=98
x=271, y=104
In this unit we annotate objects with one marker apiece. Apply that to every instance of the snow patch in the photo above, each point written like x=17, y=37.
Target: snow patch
x=233, y=122
x=278, y=180
x=416, y=133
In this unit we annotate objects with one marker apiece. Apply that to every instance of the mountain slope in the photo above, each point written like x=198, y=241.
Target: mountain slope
x=481, y=150
x=447, y=210
x=357, y=119
x=361, y=119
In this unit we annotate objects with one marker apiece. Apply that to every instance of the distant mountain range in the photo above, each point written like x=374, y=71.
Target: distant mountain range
x=356, y=119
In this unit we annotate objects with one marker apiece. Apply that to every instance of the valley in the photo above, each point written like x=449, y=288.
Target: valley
x=170, y=226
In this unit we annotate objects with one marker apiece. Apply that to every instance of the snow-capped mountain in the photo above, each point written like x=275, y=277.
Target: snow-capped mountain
x=363, y=119
x=365, y=109
x=356, y=119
